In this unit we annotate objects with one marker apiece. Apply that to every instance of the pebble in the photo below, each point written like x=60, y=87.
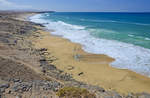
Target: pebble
x=4, y=86
x=70, y=67
x=16, y=80
x=81, y=73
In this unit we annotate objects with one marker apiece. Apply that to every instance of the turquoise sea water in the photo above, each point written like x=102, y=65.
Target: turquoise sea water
x=123, y=36
x=126, y=27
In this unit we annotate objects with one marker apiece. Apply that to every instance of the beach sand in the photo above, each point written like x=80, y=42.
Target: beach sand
x=90, y=68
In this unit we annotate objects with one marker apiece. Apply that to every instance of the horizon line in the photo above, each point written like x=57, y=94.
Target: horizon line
x=81, y=11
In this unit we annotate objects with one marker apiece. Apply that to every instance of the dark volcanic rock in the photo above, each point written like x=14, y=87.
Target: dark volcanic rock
x=65, y=77
x=2, y=90
x=4, y=85
x=22, y=87
x=43, y=49
x=144, y=95
x=53, y=85
x=41, y=25
x=81, y=73
x=51, y=67
x=16, y=80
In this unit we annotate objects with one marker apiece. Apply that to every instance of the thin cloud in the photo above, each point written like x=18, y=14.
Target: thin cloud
x=5, y=4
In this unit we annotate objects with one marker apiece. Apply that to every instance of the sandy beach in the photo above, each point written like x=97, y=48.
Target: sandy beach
x=91, y=68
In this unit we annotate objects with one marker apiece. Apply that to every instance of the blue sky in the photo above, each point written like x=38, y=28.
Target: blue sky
x=79, y=5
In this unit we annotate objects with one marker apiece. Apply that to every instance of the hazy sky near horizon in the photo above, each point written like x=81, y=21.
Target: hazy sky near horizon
x=78, y=5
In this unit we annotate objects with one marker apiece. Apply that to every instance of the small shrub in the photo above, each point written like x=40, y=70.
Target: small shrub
x=74, y=92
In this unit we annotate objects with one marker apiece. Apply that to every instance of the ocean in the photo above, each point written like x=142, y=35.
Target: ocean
x=123, y=36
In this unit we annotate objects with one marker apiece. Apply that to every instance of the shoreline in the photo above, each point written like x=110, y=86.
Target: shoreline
x=126, y=55
x=110, y=78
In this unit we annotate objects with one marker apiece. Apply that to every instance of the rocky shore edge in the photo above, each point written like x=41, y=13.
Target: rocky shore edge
x=25, y=72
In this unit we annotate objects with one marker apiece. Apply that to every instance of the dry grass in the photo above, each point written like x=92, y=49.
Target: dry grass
x=74, y=92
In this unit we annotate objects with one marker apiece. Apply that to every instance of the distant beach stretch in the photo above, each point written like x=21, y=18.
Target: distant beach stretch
x=109, y=49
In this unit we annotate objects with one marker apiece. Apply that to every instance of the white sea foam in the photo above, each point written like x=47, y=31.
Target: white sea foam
x=130, y=35
x=127, y=56
x=147, y=38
